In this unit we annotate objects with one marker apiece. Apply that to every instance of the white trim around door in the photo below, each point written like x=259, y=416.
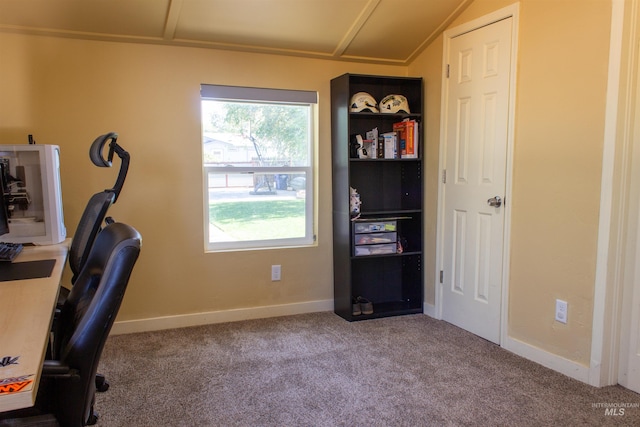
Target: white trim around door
x=511, y=11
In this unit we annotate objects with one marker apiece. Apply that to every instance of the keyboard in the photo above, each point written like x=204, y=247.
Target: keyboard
x=8, y=251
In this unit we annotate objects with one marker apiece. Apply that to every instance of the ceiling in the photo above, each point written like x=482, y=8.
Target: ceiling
x=375, y=31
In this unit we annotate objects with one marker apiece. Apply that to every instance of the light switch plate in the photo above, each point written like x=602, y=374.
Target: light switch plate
x=275, y=273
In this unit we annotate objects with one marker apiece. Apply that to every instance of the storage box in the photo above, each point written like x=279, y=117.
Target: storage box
x=373, y=227
x=374, y=238
x=364, y=250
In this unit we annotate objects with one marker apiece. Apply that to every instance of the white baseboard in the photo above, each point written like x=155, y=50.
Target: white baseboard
x=197, y=319
x=429, y=310
x=552, y=361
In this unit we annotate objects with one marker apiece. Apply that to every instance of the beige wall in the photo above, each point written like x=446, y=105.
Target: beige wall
x=67, y=92
x=559, y=128
x=555, y=213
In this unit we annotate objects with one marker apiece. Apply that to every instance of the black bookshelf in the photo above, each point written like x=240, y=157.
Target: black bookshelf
x=391, y=191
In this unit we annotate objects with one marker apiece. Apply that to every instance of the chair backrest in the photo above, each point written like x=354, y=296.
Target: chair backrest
x=93, y=217
x=87, y=316
x=90, y=224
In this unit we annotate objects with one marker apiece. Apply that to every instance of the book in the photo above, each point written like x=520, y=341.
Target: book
x=413, y=153
x=390, y=145
x=380, y=150
x=407, y=131
x=373, y=149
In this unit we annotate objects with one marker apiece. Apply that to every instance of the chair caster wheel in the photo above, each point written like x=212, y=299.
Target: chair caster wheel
x=102, y=384
x=103, y=387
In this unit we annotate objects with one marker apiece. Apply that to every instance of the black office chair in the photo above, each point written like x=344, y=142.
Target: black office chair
x=67, y=388
x=94, y=216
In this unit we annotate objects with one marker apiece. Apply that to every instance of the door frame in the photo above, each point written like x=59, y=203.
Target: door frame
x=511, y=11
x=616, y=275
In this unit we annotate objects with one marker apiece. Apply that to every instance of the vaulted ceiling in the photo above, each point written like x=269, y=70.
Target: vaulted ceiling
x=376, y=31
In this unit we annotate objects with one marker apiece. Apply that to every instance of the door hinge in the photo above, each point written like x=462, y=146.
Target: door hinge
x=447, y=70
x=444, y=176
x=441, y=276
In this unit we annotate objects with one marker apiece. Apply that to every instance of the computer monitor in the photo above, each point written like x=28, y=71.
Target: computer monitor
x=4, y=217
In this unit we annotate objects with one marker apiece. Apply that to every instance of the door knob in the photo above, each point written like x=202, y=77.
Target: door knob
x=495, y=201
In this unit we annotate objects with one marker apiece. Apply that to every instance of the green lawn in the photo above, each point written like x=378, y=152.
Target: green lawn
x=259, y=220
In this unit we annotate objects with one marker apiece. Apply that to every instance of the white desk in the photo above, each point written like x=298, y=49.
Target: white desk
x=26, y=311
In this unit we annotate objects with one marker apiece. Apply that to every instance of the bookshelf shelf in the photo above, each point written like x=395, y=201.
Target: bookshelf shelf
x=391, y=192
x=384, y=160
x=388, y=255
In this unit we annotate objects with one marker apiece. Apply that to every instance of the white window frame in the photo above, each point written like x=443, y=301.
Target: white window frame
x=268, y=96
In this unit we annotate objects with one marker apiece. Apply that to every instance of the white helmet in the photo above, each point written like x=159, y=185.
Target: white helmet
x=393, y=104
x=363, y=101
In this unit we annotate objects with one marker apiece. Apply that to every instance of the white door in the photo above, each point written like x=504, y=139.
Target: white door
x=474, y=179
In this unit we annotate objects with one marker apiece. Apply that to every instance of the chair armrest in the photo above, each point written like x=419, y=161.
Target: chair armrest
x=55, y=369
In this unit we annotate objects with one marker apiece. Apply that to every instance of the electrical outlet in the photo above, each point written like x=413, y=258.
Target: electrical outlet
x=561, y=311
x=275, y=273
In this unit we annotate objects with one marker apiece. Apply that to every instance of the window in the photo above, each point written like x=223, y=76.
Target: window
x=257, y=157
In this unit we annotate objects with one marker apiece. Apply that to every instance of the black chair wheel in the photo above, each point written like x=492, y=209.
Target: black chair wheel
x=102, y=384
x=93, y=419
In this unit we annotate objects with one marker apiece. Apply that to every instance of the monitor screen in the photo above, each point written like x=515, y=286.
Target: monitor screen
x=4, y=217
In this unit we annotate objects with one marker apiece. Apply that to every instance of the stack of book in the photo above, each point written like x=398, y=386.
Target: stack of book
x=407, y=135
x=401, y=143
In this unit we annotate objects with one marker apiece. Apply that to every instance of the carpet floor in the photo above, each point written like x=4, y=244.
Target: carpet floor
x=320, y=370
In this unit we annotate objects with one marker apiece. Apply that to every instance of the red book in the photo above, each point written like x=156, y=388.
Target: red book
x=407, y=131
